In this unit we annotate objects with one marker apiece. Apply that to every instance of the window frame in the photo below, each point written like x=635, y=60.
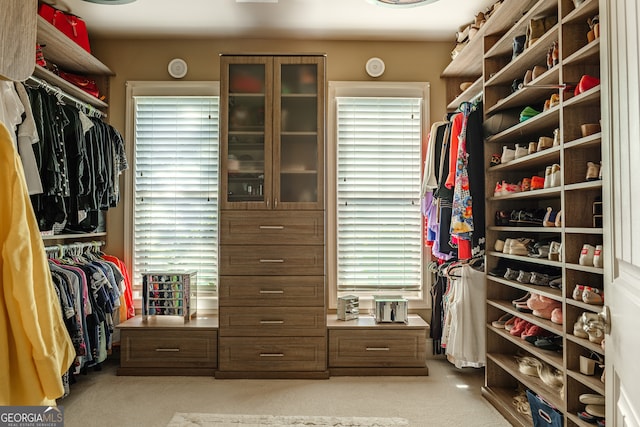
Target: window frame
x=369, y=89
x=153, y=88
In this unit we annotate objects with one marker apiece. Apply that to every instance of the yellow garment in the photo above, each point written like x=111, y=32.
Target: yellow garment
x=35, y=348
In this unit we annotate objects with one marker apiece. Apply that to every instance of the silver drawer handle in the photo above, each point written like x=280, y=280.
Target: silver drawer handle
x=271, y=260
x=173, y=350
x=377, y=348
x=271, y=354
x=272, y=322
x=272, y=292
x=272, y=227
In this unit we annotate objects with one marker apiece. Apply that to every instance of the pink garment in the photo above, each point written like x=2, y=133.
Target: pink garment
x=456, y=129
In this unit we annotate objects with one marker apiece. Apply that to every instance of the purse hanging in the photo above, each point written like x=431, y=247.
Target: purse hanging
x=69, y=24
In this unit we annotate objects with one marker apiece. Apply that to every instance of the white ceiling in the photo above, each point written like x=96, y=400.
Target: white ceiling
x=303, y=19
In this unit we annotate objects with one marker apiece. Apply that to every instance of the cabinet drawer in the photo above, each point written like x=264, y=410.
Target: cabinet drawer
x=371, y=348
x=271, y=260
x=273, y=228
x=165, y=348
x=291, y=291
x=273, y=354
x=272, y=321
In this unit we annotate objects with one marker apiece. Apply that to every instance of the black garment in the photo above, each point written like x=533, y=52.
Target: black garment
x=475, y=170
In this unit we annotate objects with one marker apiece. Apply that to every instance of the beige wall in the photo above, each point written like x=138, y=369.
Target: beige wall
x=148, y=59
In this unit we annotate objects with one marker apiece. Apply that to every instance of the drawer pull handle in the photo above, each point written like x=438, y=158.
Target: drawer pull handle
x=271, y=354
x=271, y=292
x=173, y=350
x=272, y=227
x=271, y=260
x=272, y=322
x=377, y=348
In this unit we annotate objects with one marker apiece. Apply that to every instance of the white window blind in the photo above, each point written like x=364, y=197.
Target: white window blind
x=378, y=193
x=176, y=187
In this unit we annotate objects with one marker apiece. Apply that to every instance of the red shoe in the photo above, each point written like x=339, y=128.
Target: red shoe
x=586, y=82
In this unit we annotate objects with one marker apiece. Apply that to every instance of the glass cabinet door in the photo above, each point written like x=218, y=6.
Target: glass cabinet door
x=248, y=133
x=299, y=132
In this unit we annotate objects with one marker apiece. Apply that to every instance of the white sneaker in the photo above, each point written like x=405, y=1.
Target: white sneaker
x=508, y=154
x=586, y=255
x=520, y=152
x=555, y=175
x=554, y=251
x=507, y=246
x=547, y=177
x=597, y=256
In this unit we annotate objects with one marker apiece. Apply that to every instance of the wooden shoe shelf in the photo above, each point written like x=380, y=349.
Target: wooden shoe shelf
x=575, y=196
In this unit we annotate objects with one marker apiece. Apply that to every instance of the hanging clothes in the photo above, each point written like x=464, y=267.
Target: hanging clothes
x=35, y=350
x=465, y=340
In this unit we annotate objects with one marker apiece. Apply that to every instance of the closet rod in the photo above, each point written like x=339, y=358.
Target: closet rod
x=87, y=108
x=61, y=249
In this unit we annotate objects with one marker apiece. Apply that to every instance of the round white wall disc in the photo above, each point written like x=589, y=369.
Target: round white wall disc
x=375, y=67
x=177, y=68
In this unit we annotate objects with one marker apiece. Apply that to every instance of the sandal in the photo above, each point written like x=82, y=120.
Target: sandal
x=500, y=323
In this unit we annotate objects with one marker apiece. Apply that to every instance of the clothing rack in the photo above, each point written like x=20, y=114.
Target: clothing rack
x=77, y=248
x=88, y=109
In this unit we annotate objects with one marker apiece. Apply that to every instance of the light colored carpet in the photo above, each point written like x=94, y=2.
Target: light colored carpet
x=448, y=397
x=231, y=420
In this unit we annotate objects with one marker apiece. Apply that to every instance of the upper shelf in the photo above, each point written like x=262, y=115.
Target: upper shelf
x=67, y=87
x=65, y=53
x=469, y=61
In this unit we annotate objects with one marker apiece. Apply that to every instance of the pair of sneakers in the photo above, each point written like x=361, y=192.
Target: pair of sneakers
x=552, y=176
x=591, y=256
x=518, y=246
x=509, y=154
x=588, y=294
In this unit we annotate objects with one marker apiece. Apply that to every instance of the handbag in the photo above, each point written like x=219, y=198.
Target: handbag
x=69, y=24
x=88, y=85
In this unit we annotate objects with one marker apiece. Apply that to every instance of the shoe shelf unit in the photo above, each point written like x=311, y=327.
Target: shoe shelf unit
x=467, y=65
x=573, y=195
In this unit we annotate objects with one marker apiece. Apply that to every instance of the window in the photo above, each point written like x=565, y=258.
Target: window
x=378, y=133
x=175, y=186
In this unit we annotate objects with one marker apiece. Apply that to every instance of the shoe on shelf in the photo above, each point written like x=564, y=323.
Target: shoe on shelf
x=501, y=321
x=595, y=330
x=578, y=328
x=555, y=175
x=586, y=255
x=545, y=313
x=538, y=70
x=556, y=316
x=591, y=399
x=505, y=250
x=597, y=257
x=593, y=171
x=528, y=76
x=534, y=331
x=508, y=154
x=520, y=151
x=592, y=296
x=523, y=276
x=595, y=410
x=554, y=251
x=577, y=292
x=556, y=137
x=553, y=343
x=533, y=147
x=585, y=416
x=526, y=184
x=499, y=245
x=509, y=324
x=495, y=159
x=549, y=219
x=559, y=219
x=537, y=182
x=520, y=246
x=511, y=274
x=544, y=142
x=547, y=177
x=519, y=327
